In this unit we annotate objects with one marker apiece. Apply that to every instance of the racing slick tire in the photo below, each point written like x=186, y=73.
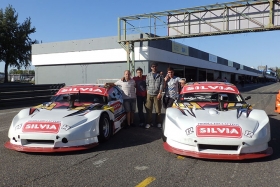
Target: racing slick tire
x=105, y=129
x=162, y=135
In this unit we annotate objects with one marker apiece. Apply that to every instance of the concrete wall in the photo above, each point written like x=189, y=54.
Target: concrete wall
x=90, y=44
x=82, y=73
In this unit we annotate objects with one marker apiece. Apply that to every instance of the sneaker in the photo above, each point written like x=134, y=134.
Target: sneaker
x=147, y=126
x=159, y=125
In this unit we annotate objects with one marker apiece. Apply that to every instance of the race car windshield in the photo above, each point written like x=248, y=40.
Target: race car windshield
x=209, y=97
x=83, y=98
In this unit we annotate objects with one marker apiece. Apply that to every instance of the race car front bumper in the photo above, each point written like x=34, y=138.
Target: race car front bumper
x=216, y=156
x=22, y=148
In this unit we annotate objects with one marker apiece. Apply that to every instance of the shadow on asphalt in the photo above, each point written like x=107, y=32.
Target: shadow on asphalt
x=275, y=138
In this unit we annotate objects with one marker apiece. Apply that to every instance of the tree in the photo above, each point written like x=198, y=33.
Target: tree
x=15, y=41
x=278, y=72
x=17, y=71
x=12, y=71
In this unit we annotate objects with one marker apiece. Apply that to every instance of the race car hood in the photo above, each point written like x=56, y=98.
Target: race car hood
x=212, y=117
x=55, y=114
x=211, y=120
x=70, y=116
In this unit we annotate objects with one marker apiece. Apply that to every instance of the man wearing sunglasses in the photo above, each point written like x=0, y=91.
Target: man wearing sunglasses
x=154, y=82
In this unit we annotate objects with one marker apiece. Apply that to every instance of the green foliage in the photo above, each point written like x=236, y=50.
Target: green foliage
x=15, y=41
x=22, y=72
x=278, y=71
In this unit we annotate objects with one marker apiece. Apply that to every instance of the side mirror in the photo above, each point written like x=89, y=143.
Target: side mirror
x=223, y=97
x=248, y=97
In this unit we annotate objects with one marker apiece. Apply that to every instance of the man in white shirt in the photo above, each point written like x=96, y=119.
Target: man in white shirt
x=129, y=96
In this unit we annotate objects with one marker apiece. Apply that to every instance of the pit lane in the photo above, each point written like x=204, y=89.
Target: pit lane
x=136, y=154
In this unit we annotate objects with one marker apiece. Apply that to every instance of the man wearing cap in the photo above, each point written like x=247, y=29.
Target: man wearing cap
x=154, y=82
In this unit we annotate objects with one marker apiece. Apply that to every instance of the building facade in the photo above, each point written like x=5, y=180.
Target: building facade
x=93, y=60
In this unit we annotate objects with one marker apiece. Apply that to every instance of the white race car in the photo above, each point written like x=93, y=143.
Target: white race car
x=78, y=117
x=212, y=120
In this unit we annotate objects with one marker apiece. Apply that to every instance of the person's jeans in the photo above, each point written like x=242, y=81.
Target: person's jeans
x=141, y=101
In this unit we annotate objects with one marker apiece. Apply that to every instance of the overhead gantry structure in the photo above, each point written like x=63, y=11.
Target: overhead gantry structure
x=219, y=19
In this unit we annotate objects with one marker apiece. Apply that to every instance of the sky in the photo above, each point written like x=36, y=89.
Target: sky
x=63, y=20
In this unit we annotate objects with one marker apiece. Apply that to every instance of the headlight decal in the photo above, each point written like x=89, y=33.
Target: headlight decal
x=17, y=127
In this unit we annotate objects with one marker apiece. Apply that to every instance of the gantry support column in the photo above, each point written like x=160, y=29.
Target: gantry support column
x=271, y=14
x=127, y=45
x=130, y=57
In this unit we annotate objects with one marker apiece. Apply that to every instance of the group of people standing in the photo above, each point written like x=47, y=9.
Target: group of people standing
x=221, y=80
x=148, y=94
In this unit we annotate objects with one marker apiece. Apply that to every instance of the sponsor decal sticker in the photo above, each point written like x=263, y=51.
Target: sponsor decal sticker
x=189, y=131
x=116, y=105
x=222, y=131
x=65, y=127
x=208, y=88
x=249, y=134
x=80, y=89
x=41, y=126
x=218, y=123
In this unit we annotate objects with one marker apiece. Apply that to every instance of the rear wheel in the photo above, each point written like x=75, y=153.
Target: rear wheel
x=104, y=128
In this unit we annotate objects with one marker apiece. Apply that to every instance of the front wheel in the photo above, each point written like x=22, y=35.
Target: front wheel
x=104, y=128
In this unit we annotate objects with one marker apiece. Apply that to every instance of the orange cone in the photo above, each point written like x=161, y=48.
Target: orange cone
x=277, y=103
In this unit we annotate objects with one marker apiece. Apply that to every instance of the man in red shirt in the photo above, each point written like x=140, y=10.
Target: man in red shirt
x=141, y=93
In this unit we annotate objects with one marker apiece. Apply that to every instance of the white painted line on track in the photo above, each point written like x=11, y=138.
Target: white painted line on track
x=141, y=168
x=14, y=111
x=98, y=163
x=4, y=128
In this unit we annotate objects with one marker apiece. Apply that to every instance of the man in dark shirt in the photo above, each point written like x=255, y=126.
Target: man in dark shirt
x=141, y=93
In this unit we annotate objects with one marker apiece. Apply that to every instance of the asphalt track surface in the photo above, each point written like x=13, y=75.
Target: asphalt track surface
x=136, y=156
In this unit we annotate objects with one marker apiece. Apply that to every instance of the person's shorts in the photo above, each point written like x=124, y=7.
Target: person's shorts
x=129, y=105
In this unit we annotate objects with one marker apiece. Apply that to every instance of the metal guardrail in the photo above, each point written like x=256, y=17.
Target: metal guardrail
x=25, y=94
